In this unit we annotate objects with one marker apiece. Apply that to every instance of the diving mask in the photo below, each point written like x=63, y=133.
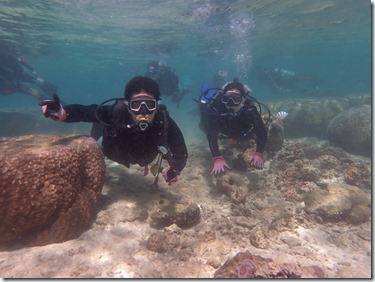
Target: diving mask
x=143, y=111
x=142, y=106
x=231, y=98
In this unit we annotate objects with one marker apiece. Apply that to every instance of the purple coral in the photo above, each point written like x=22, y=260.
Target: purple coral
x=245, y=269
x=236, y=268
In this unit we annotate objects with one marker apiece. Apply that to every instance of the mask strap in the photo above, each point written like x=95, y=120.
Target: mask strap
x=225, y=85
x=247, y=89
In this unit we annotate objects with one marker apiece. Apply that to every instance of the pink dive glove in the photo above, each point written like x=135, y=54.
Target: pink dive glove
x=219, y=165
x=170, y=175
x=257, y=160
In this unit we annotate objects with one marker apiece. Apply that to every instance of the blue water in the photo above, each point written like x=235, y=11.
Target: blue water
x=91, y=48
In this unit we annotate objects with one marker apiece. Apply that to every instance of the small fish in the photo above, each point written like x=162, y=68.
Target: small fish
x=296, y=105
x=293, y=106
x=281, y=115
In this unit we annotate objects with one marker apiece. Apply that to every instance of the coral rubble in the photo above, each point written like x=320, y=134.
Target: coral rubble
x=246, y=265
x=184, y=219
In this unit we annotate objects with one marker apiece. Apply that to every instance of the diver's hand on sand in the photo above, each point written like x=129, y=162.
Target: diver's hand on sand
x=219, y=166
x=53, y=109
x=257, y=160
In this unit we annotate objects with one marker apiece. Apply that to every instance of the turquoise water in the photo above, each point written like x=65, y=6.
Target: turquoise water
x=91, y=48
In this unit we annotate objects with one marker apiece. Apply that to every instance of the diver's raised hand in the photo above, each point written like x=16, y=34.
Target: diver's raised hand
x=53, y=109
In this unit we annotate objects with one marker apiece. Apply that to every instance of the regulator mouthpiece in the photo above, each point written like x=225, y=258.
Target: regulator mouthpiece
x=143, y=124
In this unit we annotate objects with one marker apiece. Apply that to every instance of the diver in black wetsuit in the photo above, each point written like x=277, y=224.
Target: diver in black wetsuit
x=219, y=78
x=167, y=79
x=285, y=81
x=17, y=75
x=136, y=129
x=233, y=114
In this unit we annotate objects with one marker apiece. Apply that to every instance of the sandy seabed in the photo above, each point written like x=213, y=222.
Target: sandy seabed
x=266, y=224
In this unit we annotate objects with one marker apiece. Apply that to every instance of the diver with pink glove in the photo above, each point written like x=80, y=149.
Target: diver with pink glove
x=230, y=111
x=136, y=129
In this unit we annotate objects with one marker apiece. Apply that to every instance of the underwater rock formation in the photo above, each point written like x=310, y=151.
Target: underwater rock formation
x=162, y=242
x=311, y=117
x=246, y=265
x=306, y=166
x=233, y=186
x=275, y=139
x=340, y=202
x=351, y=130
x=49, y=187
x=184, y=219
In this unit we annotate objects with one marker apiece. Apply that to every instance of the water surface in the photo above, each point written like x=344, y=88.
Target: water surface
x=91, y=48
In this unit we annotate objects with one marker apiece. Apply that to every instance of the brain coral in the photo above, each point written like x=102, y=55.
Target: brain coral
x=351, y=130
x=49, y=186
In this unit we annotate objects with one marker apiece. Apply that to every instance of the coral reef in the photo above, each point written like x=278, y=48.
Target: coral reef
x=313, y=116
x=340, y=202
x=49, y=187
x=305, y=166
x=306, y=214
x=275, y=138
x=351, y=130
x=358, y=175
x=246, y=265
x=162, y=242
x=185, y=219
x=233, y=186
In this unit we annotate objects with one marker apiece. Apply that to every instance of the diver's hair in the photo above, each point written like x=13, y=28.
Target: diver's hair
x=140, y=84
x=235, y=85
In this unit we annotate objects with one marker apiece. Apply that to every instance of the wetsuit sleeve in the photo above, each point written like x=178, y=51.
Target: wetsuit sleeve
x=177, y=146
x=213, y=143
x=259, y=130
x=77, y=113
x=209, y=127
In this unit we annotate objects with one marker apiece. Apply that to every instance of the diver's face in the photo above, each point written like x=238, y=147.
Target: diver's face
x=142, y=108
x=233, y=110
x=233, y=101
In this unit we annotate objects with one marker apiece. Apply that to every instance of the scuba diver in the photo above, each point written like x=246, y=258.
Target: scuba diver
x=134, y=130
x=17, y=75
x=284, y=81
x=230, y=111
x=219, y=78
x=167, y=79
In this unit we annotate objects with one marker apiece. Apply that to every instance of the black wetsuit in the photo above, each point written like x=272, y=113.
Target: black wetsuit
x=168, y=82
x=216, y=120
x=126, y=143
x=11, y=72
